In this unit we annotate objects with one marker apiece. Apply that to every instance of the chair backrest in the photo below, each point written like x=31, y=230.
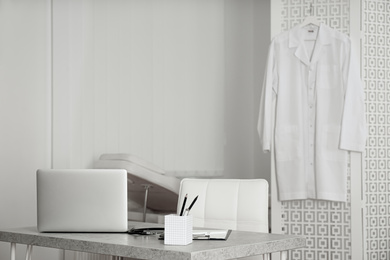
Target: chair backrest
x=238, y=204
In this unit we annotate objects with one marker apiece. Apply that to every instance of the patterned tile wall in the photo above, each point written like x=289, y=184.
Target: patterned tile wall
x=334, y=13
x=325, y=224
x=376, y=76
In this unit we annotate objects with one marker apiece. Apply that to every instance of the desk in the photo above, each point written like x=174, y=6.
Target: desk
x=239, y=244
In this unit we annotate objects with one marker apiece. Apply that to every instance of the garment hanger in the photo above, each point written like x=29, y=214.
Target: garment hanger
x=311, y=19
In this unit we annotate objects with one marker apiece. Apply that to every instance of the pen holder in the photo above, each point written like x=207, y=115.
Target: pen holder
x=178, y=230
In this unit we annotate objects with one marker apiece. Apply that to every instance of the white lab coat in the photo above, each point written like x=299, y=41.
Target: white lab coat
x=312, y=112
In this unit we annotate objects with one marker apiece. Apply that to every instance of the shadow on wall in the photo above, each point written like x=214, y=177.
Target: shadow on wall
x=246, y=48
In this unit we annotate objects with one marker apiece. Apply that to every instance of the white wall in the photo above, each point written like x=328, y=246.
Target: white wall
x=139, y=77
x=24, y=112
x=175, y=83
x=26, y=102
x=246, y=47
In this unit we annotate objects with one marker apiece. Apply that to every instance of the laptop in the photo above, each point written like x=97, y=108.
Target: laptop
x=82, y=200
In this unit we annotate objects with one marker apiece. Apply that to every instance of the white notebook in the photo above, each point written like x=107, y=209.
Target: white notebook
x=82, y=200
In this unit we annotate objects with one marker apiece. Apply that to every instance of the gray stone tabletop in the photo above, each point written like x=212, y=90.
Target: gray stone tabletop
x=239, y=244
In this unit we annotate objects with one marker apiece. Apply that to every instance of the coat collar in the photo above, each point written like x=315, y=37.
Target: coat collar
x=296, y=40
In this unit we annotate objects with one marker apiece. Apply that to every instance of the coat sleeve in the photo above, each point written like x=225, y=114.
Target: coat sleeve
x=265, y=122
x=353, y=127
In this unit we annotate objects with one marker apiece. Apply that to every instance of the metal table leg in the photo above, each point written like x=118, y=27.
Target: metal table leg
x=13, y=251
x=29, y=252
x=147, y=187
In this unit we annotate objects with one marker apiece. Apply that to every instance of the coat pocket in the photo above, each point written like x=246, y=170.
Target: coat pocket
x=330, y=143
x=287, y=144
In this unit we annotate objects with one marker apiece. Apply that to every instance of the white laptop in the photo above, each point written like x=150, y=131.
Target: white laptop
x=85, y=200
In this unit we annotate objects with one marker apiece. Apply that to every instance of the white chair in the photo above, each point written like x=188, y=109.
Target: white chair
x=237, y=204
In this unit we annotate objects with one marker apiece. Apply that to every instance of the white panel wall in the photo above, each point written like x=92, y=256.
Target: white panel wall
x=25, y=128
x=139, y=77
x=174, y=82
x=376, y=179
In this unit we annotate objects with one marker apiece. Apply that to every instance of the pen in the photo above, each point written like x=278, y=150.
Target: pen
x=183, y=206
x=192, y=204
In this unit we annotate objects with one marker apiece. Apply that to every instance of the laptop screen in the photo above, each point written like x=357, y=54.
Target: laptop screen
x=82, y=200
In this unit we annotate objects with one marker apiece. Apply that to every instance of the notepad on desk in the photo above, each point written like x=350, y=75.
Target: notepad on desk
x=211, y=234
